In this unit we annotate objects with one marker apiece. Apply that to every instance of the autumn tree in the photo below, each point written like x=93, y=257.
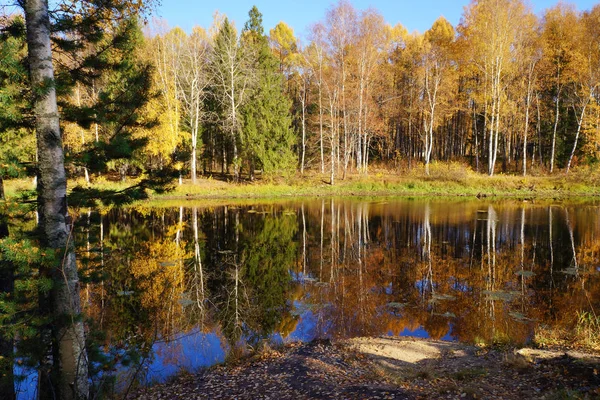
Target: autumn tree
x=284, y=44
x=163, y=51
x=437, y=78
x=370, y=50
x=557, y=61
x=341, y=24
x=490, y=29
x=314, y=55
x=527, y=75
x=229, y=65
x=192, y=81
x=586, y=76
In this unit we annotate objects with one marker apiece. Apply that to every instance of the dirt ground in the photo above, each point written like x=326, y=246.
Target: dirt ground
x=392, y=368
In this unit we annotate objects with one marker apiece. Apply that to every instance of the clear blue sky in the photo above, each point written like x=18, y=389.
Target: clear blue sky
x=300, y=14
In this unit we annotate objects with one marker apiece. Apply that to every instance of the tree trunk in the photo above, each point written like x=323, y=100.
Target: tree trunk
x=579, y=122
x=321, y=128
x=193, y=161
x=71, y=363
x=554, y=132
x=303, y=104
x=7, y=384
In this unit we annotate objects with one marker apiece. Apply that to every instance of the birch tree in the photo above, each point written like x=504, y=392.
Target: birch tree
x=315, y=57
x=491, y=27
x=55, y=222
x=437, y=84
x=192, y=81
x=229, y=64
x=557, y=62
x=587, y=73
x=371, y=47
x=341, y=23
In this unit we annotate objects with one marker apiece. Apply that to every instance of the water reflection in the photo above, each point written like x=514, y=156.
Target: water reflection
x=183, y=287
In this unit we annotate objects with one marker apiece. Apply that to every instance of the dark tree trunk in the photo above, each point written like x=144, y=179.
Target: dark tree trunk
x=7, y=385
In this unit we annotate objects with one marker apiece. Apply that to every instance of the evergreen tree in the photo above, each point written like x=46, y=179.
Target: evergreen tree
x=267, y=135
x=15, y=123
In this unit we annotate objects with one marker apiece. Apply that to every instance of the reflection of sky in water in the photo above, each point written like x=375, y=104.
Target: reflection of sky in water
x=306, y=330
x=423, y=284
x=26, y=389
x=187, y=352
x=195, y=350
x=420, y=332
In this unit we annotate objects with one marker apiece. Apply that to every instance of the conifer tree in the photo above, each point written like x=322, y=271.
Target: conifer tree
x=267, y=136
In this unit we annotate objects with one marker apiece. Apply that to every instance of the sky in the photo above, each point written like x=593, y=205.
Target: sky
x=415, y=15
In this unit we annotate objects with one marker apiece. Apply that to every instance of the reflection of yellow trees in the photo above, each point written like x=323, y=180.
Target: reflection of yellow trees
x=484, y=270
x=158, y=270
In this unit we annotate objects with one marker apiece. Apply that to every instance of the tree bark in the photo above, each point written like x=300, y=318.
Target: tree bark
x=579, y=122
x=557, y=113
x=71, y=363
x=7, y=385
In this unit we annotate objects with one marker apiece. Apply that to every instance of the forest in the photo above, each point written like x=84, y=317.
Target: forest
x=98, y=91
x=504, y=91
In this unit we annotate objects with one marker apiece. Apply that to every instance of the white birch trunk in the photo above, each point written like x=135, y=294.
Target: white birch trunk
x=54, y=222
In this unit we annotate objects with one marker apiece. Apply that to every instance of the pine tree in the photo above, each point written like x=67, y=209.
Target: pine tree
x=15, y=124
x=267, y=135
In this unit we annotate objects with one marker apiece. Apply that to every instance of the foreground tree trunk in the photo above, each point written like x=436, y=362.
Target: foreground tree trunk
x=69, y=358
x=7, y=385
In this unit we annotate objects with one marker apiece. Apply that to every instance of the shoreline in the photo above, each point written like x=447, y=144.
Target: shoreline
x=446, y=180
x=392, y=368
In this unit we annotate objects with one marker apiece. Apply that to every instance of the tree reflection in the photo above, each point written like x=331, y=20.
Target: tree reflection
x=338, y=268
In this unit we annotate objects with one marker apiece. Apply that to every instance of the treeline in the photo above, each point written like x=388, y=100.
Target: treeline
x=505, y=90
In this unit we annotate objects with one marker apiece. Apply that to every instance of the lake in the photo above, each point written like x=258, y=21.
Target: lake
x=186, y=287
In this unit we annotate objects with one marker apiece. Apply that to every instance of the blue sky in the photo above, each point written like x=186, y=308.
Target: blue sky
x=300, y=14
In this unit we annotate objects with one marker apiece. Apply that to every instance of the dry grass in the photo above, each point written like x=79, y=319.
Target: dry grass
x=584, y=333
x=516, y=361
x=445, y=179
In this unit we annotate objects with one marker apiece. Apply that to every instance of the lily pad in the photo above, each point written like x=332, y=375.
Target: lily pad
x=440, y=297
x=570, y=271
x=500, y=295
x=519, y=316
x=447, y=314
x=526, y=274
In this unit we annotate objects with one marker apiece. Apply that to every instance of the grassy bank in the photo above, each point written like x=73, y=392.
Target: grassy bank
x=445, y=179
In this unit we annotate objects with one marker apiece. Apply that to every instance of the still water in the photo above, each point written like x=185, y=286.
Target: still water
x=185, y=287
